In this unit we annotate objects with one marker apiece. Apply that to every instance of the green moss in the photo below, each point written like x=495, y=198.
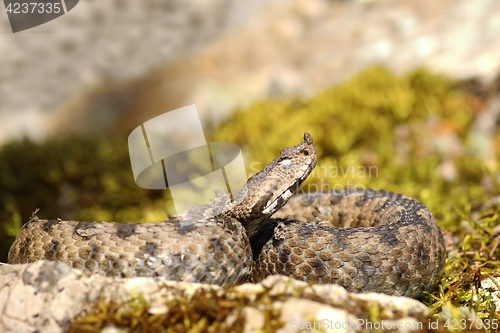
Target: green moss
x=401, y=127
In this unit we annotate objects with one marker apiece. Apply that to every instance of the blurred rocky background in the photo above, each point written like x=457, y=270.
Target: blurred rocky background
x=109, y=64
x=407, y=87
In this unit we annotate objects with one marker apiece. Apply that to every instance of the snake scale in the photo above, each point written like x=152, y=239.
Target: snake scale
x=364, y=240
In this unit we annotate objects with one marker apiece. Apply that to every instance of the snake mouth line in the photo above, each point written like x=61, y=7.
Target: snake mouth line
x=282, y=199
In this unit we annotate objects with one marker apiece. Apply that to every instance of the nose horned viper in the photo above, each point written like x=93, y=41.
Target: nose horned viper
x=364, y=240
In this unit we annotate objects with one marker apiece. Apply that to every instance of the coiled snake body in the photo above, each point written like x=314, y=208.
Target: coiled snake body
x=364, y=240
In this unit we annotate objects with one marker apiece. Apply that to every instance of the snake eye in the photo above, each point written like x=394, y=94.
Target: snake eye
x=286, y=164
x=305, y=152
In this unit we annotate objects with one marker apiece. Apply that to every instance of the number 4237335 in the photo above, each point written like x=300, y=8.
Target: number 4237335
x=34, y=7
x=453, y=324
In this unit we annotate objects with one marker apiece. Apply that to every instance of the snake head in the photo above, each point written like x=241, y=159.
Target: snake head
x=288, y=171
x=269, y=190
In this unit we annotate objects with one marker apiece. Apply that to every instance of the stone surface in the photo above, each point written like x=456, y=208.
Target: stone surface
x=48, y=296
x=491, y=284
x=100, y=43
x=139, y=59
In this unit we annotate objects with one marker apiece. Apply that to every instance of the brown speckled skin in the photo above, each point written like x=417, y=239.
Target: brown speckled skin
x=369, y=240
x=216, y=251
x=365, y=240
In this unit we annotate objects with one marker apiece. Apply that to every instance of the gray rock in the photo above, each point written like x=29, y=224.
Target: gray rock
x=202, y=51
x=310, y=316
x=47, y=297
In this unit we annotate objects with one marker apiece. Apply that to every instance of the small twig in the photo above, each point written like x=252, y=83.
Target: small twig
x=33, y=215
x=494, y=246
